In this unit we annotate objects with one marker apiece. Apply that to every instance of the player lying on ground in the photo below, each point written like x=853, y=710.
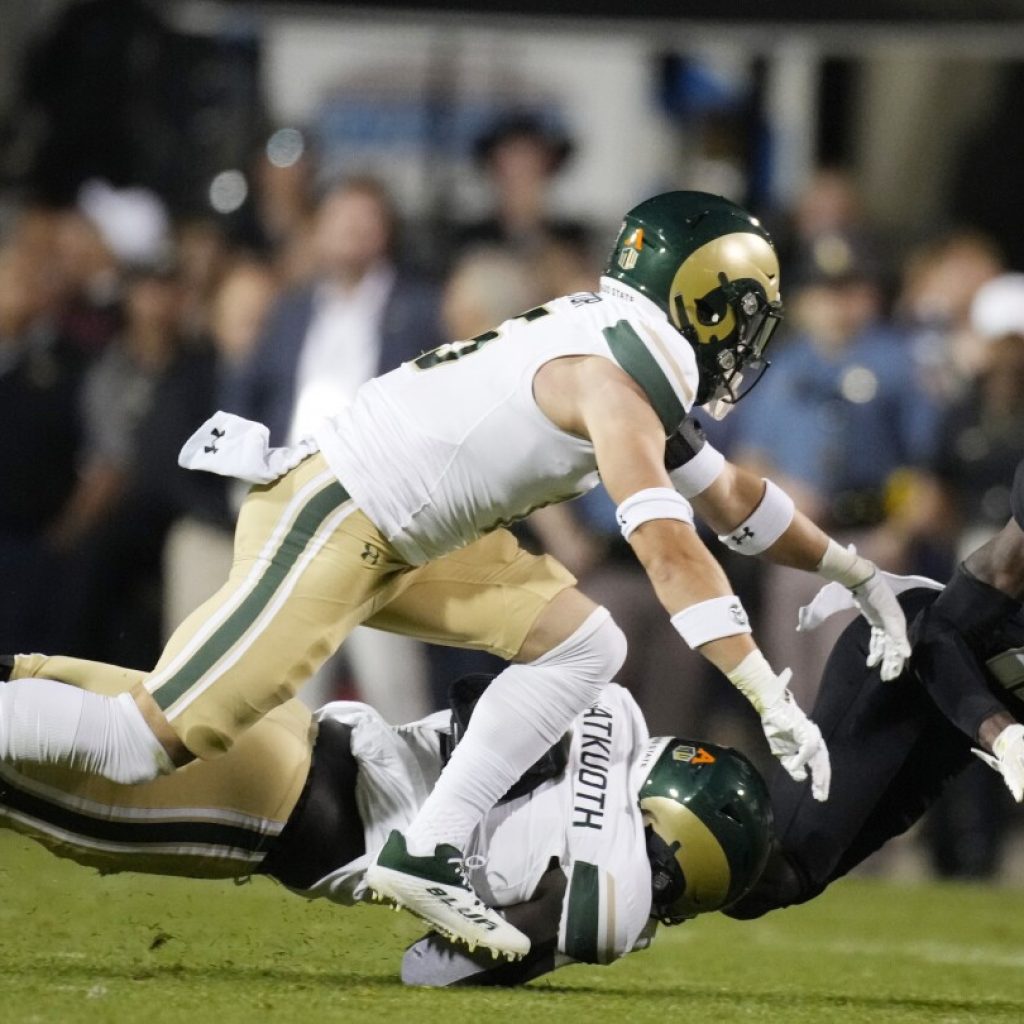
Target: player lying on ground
x=306, y=811
x=578, y=873
x=390, y=516
x=605, y=834
x=894, y=745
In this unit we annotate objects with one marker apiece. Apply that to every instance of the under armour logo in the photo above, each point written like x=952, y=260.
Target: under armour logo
x=211, y=449
x=739, y=538
x=370, y=555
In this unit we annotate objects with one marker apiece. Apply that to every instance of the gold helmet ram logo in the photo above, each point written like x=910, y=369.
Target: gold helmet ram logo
x=695, y=298
x=704, y=864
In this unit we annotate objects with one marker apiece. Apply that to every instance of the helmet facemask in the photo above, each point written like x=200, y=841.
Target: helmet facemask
x=732, y=364
x=668, y=880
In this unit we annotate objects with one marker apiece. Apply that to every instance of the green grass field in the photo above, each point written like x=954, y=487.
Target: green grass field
x=75, y=947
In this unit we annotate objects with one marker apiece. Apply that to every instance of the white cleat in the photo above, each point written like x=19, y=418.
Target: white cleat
x=436, y=889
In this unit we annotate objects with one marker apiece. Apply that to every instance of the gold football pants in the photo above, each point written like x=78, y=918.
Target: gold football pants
x=210, y=819
x=308, y=568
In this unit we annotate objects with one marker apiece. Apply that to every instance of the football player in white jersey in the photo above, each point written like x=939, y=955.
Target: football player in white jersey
x=607, y=834
x=391, y=515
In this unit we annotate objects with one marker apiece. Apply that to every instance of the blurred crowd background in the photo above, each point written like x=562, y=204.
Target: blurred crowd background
x=257, y=207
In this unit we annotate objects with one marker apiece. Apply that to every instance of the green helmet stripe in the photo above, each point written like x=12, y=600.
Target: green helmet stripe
x=635, y=358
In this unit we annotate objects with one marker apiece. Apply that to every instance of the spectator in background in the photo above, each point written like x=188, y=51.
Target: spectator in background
x=239, y=309
x=276, y=220
x=199, y=548
x=940, y=281
x=89, y=282
x=487, y=285
x=361, y=316
x=521, y=154
x=838, y=413
x=828, y=205
x=981, y=435
x=107, y=229
x=203, y=257
x=40, y=378
x=281, y=202
x=143, y=396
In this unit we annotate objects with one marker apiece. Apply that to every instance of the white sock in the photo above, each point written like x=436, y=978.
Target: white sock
x=46, y=722
x=525, y=710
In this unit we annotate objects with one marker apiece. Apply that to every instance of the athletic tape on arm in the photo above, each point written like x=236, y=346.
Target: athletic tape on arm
x=652, y=503
x=765, y=525
x=844, y=565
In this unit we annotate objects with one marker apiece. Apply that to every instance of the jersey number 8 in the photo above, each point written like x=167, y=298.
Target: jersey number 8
x=453, y=350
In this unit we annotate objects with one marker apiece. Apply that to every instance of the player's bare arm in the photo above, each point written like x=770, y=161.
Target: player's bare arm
x=754, y=516
x=731, y=499
x=629, y=443
x=594, y=399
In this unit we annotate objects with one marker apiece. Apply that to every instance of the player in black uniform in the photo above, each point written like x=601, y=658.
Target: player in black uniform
x=894, y=745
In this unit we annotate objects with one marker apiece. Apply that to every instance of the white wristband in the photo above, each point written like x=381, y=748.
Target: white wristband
x=711, y=620
x=699, y=473
x=652, y=503
x=754, y=678
x=845, y=566
x=765, y=525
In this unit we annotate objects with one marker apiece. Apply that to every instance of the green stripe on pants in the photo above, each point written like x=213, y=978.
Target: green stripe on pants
x=142, y=833
x=306, y=524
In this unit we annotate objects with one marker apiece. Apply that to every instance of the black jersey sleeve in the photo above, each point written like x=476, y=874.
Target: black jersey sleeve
x=943, y=659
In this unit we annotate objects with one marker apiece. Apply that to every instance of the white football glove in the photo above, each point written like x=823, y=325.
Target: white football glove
x=1007, y=758
x=889, y=646
x=792, y=737
x=874, y=596
x=796, y=741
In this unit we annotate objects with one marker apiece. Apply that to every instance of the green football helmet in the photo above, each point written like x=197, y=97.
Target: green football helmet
x=711, y=268
x=708, y=824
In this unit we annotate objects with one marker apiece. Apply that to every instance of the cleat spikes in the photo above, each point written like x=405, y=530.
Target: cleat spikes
x=437, y=889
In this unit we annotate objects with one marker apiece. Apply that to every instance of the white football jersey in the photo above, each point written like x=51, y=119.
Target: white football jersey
x=451, y=445
x=587, y=819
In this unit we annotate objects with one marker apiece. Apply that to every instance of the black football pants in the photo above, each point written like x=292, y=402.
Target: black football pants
x=892, y=752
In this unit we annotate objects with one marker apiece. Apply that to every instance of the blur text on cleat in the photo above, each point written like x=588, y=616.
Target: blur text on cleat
x=437, y=889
